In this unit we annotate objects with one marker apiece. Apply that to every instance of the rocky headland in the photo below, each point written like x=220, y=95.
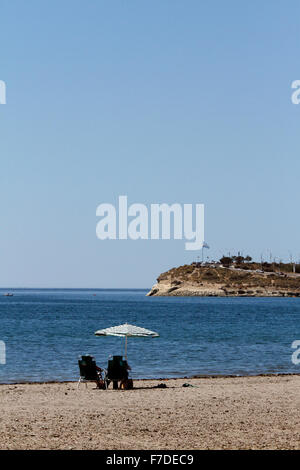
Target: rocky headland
x=219, y=281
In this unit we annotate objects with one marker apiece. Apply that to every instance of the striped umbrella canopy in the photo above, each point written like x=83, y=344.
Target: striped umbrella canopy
x=127, y=331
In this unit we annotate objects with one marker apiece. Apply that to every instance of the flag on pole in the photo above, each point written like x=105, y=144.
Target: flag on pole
x=205, y=245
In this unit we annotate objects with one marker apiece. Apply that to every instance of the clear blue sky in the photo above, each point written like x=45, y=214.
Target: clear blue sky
x=163, y=101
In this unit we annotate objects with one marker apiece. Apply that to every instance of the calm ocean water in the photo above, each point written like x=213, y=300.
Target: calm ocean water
x=46, y=330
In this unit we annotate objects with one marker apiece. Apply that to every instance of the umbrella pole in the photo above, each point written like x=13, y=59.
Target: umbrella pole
x=125, y=347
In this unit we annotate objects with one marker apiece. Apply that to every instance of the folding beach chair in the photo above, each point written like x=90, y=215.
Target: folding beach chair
x=117, y=371
x=89, y=372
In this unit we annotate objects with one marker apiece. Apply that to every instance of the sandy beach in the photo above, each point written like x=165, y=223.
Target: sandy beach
x=214, y=413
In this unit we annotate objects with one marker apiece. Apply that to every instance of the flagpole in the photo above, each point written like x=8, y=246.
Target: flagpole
x=204, y=245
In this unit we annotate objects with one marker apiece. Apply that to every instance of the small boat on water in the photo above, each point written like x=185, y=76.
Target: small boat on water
x=8, y=294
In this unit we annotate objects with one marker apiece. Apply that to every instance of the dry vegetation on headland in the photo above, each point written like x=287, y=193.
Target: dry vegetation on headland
x=237, y=277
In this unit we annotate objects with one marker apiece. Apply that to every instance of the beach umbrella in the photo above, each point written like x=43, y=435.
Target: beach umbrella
x=127, y=331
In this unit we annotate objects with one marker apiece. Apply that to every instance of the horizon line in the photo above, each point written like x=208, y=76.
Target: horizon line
x=76, y=288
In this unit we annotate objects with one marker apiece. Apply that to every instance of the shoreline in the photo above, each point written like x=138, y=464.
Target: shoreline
x=186, y=377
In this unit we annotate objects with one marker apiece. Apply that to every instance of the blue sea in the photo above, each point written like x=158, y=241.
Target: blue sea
x=46, y=330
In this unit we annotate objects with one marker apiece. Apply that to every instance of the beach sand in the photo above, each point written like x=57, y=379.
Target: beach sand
x=216, y=413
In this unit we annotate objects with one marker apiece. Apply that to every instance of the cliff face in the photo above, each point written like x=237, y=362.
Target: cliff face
x=191, y=280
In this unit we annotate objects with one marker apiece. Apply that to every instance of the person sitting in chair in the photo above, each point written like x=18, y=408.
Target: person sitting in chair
x=89, y=371
x=126, y=383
